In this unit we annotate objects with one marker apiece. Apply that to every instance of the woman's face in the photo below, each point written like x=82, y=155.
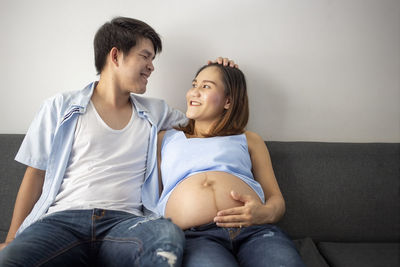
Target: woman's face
x=206, y=99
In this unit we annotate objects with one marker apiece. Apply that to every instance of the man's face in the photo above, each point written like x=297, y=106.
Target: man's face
x=136, y=66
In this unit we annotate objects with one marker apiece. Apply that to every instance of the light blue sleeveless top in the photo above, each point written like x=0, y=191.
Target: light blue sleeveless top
x=182, y=157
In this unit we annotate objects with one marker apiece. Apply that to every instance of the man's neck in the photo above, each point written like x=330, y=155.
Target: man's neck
x=112, y=104
x=108, y=94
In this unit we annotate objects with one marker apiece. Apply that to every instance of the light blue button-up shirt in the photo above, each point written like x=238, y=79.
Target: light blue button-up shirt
x=48, y=142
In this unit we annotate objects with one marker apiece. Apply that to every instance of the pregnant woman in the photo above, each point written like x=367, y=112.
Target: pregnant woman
x=218, y=181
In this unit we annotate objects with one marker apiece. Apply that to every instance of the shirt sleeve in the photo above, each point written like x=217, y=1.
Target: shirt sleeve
x=171, y=117
x=36, y=146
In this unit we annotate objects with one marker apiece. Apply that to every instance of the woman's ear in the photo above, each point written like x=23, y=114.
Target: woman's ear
x=227, y=103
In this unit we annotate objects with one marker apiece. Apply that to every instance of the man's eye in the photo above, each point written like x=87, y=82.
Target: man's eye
x=194, y=85
x=206, y=86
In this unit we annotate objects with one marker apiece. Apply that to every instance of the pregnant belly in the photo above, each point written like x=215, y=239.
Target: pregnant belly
x=198, y=198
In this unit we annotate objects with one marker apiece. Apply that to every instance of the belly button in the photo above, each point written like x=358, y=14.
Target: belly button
x=207, y=183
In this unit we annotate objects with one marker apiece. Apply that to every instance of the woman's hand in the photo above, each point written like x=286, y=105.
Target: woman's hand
x=224, y=61
x=253, y=212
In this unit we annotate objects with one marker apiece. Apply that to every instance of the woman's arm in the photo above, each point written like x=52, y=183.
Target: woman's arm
x=253, y=212
x=28, y=194
x=264, y=174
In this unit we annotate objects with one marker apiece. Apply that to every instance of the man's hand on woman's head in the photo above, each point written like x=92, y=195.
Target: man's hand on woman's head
x=224, y=61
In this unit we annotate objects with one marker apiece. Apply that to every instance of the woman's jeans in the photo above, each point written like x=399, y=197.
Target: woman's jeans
x=96, y=238
x=261, y=245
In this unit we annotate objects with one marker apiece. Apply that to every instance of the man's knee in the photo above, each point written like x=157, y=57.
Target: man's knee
x=167, y=232
x=11, y=256
x=169, y=243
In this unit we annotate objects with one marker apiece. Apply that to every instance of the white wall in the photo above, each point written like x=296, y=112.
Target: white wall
x=317, y=70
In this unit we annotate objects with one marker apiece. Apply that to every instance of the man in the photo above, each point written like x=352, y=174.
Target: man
x=91, y=157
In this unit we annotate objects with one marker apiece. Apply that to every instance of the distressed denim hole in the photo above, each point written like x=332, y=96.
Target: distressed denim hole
x=171, y=257
x=269, y=234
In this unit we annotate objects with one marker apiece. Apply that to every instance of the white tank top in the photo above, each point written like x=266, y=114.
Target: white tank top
x=106, y=167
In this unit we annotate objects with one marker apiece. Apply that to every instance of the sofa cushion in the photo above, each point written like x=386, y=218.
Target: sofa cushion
x=309, y=253
x=361, y=254
x=339, y=192
x=10, y=178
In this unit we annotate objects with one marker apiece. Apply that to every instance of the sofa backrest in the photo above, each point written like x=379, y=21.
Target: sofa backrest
x=333, y=191
x=11, y=173
x=346, y=192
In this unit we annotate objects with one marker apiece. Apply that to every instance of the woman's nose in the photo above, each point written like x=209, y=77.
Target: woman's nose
x=194, y=91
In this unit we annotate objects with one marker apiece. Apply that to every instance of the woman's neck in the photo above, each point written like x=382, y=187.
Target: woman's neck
x=202, y=129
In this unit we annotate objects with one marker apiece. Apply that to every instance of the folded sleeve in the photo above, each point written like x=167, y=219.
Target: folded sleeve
x=36, y=146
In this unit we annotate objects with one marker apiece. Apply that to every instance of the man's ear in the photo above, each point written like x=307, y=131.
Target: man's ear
x=114, y=56
x=227, y=103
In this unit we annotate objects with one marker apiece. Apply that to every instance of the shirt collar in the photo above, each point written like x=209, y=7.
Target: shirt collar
x=82, y=100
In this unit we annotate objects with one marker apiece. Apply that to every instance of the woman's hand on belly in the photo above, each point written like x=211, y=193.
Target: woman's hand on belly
x=198, y=198
x=252, y=212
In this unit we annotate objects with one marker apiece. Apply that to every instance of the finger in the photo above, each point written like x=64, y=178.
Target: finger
x=232, y=211
x=235, y=195
x=229, y=219
x=231, y=63
x=209, y=62
x=231, y=225
x=242, y=197
x=226, y=61
x=220, y=60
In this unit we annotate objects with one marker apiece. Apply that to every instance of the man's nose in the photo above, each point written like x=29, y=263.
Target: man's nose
x=150, y=66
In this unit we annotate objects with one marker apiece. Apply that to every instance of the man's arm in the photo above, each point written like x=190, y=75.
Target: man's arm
x=28, y=194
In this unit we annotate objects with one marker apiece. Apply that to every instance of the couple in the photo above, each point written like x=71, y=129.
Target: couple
x=91, y=184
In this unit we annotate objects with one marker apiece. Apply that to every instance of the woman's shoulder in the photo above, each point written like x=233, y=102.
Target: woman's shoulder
x=166, y=136
x=253, y=137
x=254, y=141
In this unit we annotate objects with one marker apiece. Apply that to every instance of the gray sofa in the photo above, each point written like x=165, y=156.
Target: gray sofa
x=342, y=199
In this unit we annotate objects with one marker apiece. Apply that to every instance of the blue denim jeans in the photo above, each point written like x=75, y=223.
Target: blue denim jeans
x=260, y=245
x=96, y=238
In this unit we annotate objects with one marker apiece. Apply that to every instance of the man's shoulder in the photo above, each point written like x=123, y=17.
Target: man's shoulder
x=149, y=104
x=145, y=100
x=69, y=98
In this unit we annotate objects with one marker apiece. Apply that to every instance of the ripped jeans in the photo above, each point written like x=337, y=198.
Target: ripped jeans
x=96, y=238
x=259, y=245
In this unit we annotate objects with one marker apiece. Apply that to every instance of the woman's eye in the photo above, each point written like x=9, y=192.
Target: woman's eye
x=194, y=85
x=206, y=86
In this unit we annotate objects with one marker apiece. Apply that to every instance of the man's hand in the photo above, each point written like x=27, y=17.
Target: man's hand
x=252, y=212
x=3, y=245
x=224, y=61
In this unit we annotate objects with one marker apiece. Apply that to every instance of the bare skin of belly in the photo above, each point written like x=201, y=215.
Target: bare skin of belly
x=198, y=198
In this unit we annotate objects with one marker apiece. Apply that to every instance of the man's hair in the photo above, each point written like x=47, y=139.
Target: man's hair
x=233, y=120
x=122, y=33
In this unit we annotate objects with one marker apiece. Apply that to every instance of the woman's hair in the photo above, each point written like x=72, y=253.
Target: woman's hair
x=122, y=33
x=234, y=119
